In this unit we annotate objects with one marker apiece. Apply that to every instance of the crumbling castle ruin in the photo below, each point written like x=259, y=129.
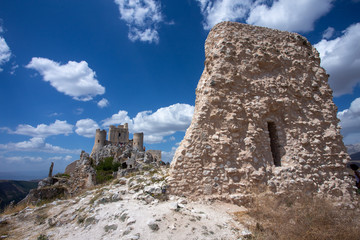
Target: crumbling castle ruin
x=117, y=136
x=129, y=154
x=264, y=118
x=121, y=148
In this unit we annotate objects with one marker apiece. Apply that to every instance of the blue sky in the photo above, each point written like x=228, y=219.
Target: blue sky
x=69, y=67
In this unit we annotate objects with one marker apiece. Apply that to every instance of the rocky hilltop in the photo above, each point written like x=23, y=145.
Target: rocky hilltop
x=105, y=163
x=132, y=207
x=264, y=120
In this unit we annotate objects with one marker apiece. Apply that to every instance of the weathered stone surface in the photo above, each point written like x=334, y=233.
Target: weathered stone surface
x=70, y=169
x=155, y=155
x=82, y=217
x=153, y=224
x=111, y=227
x=264, y=119
x=46, y=182
x=82, y=175
x=45, y=193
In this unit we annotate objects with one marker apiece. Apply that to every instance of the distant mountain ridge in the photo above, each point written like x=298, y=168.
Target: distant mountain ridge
x=11, y=190
x=353, y=148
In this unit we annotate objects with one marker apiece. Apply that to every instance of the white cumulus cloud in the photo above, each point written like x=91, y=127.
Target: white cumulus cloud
x=350, y=122
x=142, y=18
x=164, y=122
x=36, y=144
x=119, y=118
x=74, y=79
x=103, y=103
x=5, y=52
x=289, y=15
x=43, y=130
x=341, y=59
x=215, y=11
x=21, y=159
x=168, y=156
x=155, y=126
x=78, y=111
x=328, y=33
x=86, y=127
x=60, y=158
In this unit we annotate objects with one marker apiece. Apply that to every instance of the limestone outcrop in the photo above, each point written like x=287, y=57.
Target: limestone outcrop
x=264, y=119
x=79, y=175
x=131, y=208
x=83, y=176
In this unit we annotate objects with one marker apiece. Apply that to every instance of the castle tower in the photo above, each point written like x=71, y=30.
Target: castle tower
x=119, y=134
x=264, y=119
x=100, y=140
x=138, y=141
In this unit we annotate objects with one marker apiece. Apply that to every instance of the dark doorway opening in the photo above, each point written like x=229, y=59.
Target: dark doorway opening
x=274, y=143
x=123, y=165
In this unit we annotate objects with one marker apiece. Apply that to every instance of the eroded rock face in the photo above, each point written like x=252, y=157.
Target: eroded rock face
x=83, y=174
x=264, y=117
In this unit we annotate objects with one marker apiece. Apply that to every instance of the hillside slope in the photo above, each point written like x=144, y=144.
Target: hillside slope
x=129, y=208
x=14, y=191
x=139, y=206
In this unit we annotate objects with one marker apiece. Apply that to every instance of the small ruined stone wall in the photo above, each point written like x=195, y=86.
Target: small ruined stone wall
x=264, y=117
x=156, y=154
x=71, y=167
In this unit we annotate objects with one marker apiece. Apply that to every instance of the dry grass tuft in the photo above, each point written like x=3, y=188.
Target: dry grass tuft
x=15, y=209
x=4, y=228
x=304, y=218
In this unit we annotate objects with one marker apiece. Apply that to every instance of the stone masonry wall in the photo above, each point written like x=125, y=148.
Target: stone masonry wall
x=264, y=117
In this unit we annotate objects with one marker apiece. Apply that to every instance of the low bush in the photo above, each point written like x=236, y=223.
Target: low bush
x=42, y=237
x=63, y=175
x=103, y=176
x=10, y=209
x=108, y=164
x=105, y=170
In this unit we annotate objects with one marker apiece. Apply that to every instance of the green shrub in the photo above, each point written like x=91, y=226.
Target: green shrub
x=103, y=176
x=147, y=167
x=64, y=175
x=108, y=164
x=42, y=237
x=105, y=169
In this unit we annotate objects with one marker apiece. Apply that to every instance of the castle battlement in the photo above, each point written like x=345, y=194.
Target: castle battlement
x=125, y=126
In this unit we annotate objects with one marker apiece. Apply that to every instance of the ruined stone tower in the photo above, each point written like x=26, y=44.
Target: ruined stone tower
x=264, y=116
x=119, y=134
x=138, y=141
x=100, y=140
